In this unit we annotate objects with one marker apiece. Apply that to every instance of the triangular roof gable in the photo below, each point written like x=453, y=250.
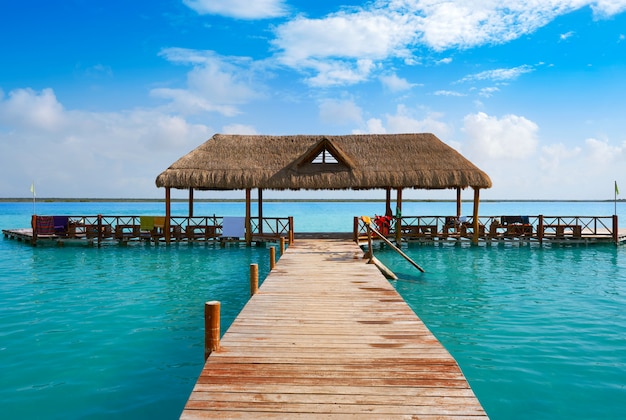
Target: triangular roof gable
x=325, y=145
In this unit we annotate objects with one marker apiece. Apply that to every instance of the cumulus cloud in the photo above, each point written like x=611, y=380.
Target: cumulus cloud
x=407, y=120
x=215, y=83
x=29, y=110
x=239, y=9
x=71, y=153
x=510, y=137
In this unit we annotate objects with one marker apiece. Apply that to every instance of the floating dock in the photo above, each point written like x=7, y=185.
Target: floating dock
x=327, y=336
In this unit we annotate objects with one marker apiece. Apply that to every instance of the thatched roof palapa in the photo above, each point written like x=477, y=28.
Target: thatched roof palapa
x=317, y=162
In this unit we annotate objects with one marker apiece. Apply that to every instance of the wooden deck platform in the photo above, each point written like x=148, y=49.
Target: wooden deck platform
x=327, y=336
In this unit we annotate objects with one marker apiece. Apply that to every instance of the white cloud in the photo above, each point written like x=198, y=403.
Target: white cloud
x=336, y=73
x=395, y=83
x=510, y=137
x=71, y=153
x=566, y=35
x=498, y=75
x=340, y=112
x=406, y=120
x=390, y=29
x=603, y=153
x=240, y=9
x=214, y=84
x=608, y=8
x=29, y=110
x=552, y=156
x=448, y=93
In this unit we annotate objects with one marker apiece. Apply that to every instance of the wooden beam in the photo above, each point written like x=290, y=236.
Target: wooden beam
x=458, y=202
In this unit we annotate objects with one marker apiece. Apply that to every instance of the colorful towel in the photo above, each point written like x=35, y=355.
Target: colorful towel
x=45, y=225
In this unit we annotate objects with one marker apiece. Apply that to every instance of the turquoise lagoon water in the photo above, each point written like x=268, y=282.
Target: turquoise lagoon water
x=539, y=331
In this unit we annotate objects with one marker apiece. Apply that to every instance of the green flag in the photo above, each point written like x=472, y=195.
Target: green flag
x=616, y=189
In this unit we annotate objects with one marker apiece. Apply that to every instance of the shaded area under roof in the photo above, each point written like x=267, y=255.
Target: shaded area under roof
x=368, y=161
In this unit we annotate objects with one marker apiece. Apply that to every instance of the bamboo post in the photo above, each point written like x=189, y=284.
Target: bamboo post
x=254, y=279
x=282, y=246
x=272, y=257
x=211, y=327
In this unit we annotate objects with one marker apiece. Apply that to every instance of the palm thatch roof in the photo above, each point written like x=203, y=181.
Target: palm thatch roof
x=316, y=162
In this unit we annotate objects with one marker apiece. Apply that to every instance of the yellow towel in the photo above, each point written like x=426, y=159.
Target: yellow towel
x=159, y=221
x=146, y=222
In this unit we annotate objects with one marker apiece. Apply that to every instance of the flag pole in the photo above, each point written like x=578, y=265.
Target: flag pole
x=32, y=189
x=615, y=200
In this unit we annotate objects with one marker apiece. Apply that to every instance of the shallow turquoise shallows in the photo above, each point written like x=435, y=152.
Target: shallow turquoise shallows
x=117, y=331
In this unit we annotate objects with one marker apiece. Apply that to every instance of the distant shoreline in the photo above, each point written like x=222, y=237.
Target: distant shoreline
x=279, y=200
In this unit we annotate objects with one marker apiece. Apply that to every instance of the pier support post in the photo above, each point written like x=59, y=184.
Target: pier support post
x=282, y=246
x=211, y=327
x=272, y=257
x=254, y=279
x=615, y=230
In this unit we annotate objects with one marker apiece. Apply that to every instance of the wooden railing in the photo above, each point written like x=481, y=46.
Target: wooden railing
x=604, y=228
x=130, y=228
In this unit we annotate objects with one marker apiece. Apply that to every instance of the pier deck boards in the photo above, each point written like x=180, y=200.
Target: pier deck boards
x=327, y=336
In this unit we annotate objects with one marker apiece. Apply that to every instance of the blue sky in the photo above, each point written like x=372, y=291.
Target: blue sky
x=97, y=98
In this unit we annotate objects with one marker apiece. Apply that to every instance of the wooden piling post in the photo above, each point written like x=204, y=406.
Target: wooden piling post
x=272, y=257
x=211, y=327
x=615, y=230
x=282, y=246
x=254, y=279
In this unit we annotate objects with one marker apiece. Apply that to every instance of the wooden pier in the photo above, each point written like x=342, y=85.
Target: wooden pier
x=326, y=336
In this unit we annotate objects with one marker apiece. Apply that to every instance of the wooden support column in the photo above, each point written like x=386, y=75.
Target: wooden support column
x=475, y=215
x=272, y=257
x=248, y=216
x=190, y=202
x=211, y=327
x=615, y=229
x=388, y=211
x=458, y=202
x=260, y=208
x=254, y=279
x=168, y=212
x=399, y=216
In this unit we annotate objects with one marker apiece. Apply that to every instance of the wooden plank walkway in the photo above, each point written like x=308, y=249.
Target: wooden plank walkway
x=327, y=336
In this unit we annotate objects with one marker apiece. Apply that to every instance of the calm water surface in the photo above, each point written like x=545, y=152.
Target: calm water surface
x=540, y=332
